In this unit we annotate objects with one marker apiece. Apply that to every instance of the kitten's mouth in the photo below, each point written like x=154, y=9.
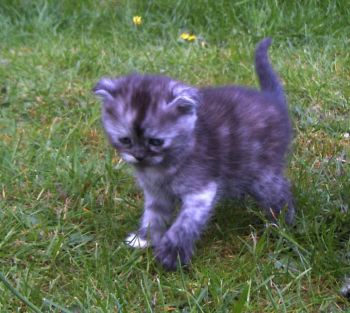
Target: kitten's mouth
x=128, y=158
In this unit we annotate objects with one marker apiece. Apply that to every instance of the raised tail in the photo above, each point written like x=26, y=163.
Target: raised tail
x=268, y=78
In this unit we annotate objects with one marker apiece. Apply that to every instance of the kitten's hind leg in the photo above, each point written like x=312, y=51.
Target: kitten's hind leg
x=178, y=241
x=290, y=214
x=272, y=191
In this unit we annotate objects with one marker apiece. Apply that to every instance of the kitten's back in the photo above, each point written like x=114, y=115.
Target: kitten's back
x=241, y=130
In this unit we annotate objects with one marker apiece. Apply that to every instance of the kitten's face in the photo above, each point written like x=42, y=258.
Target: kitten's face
x=148, y=119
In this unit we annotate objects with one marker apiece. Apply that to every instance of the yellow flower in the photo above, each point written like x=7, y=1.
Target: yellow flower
x=184, y=36
x=191, y=38
x=137, y=20
x=188, y=37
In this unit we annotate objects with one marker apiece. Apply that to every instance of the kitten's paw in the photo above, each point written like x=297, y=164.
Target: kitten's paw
x=135, y=241
x=168, y=252
x=345, y=290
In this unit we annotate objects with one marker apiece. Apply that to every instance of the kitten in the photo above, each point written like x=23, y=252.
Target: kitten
x=192, y=146
x=345, y=289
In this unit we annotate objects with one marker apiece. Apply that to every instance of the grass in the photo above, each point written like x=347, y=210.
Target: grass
x=67, y=202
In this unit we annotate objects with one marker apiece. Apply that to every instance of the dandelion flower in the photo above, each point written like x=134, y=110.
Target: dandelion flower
x=137, y=20
x=191, y=38
x=184, y=36
x=188, y=37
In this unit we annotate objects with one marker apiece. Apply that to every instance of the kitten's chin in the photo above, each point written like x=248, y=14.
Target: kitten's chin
x=156, y=160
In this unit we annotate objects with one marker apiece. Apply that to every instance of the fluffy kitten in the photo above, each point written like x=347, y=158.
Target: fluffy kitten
x=192, y=146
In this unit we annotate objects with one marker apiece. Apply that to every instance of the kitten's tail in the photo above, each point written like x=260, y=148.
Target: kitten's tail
x=268, y=78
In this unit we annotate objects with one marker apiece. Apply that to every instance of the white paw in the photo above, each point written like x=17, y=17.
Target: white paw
x=134, y=241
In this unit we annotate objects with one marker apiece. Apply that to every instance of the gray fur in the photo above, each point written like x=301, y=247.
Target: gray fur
x=216, y=142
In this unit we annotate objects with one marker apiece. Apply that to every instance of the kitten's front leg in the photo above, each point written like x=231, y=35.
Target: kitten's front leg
x=156, y=217
x=178, y=241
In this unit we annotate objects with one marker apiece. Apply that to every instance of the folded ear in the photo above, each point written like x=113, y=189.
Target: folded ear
x=186, y=99
x=106, y=88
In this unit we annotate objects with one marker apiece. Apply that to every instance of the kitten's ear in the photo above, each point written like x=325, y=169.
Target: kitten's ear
x=105, y=88
x=186, y=99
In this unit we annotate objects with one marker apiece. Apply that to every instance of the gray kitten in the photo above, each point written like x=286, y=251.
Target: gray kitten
x=192, y=146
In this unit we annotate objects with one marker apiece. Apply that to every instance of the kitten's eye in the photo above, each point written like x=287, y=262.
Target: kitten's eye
x=125, y=140
x=156, y=142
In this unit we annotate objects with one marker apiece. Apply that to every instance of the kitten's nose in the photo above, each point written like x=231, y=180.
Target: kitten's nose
x=139, y=158
x=139, y=154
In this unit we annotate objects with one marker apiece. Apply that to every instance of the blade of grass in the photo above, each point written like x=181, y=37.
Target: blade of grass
x=56, y=306
x=243, y=299
x=18, y=294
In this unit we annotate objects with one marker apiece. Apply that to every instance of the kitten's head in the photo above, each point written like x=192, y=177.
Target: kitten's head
x=148, y=119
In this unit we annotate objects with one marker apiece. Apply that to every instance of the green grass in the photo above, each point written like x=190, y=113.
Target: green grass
x=67, y=202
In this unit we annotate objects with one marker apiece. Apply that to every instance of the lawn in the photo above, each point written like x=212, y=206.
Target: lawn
x=67, y=201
